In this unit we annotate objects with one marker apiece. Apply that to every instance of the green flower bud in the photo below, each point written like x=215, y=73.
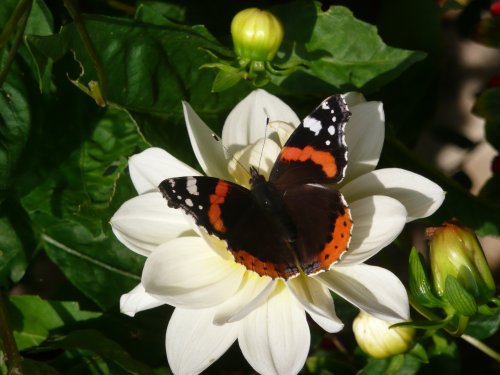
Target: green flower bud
x=376, y=339
x=455, y=251
x=257, y=34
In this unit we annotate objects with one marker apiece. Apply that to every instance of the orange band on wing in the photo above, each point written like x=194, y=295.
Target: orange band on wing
x=341, y=236
x=323, y=158
x=214, y=210
x=264, y=268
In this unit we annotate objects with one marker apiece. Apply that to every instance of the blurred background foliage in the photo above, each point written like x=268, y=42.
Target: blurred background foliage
x=85, y=85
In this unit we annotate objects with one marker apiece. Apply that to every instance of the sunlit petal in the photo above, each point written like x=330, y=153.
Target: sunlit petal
x=353, y=98
x=207, y=149
x=152, y=166
x=144, y=222
x=365, y=138
x=317, y=301
x=378, y=220
x=193, y=343
x=186, y=272
x=137, y=300
x=260, y=155
x=283, y=130
x=274, y=338
x=247, y=122
x=253, y=292
x=420, y=196
x=373, y=289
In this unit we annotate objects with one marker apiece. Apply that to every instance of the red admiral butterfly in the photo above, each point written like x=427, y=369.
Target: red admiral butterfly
x=291, y=223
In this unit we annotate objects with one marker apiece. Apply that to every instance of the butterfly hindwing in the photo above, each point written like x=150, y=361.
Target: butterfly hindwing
x=323, y=223
x=316, y=151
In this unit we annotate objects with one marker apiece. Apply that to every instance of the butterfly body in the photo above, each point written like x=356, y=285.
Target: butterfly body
x=291, y=223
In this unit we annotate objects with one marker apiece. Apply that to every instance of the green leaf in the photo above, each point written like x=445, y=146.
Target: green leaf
x=71, y=210
x=427, y=324
x=459, y=298
x=397, y=365
x=14, y=242
x=15, y=122
x=33, y=319
x=482, y=327
x=149, y=68
x=224, y=80
x=95, y=342
x=420, y=287
x=352, y=57
x=37, y=368
x=326, y=363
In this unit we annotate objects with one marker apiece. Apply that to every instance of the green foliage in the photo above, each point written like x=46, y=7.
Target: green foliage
x=80, y=95
x=33, y=319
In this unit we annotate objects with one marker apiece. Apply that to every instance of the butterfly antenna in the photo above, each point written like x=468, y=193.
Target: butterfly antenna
x=217, y=138
x=263, y=143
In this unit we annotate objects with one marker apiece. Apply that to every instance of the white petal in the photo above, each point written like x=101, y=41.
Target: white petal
x=137, y=300
x=187, y=272
x=248, y=120
x=152, y=166
x=144, y=222
x=373, y=289
x=353, y=98
x=377, y=221
x=283, y=130
x=274, y=338
x=420, y=196
x=208, y=150
x=193, y=343
x=260, y=155
x=364, y=137
x=253, y=291
x=317, y=301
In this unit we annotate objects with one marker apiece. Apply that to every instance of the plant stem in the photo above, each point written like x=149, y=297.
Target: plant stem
x=87, y=42
x=128, y=9
x=14, y=359
x=26, y=8
x=482, y=347
x=22, y=7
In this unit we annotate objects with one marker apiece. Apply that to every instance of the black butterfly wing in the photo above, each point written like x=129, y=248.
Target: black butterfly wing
x=316, y=151
x=323, y=223
x=230, y=212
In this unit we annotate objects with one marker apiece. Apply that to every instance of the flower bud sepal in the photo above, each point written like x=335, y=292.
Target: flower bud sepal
x=257, y=36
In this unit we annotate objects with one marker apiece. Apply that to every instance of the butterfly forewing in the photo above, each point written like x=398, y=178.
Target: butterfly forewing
x=229, y=212
x=316, y=151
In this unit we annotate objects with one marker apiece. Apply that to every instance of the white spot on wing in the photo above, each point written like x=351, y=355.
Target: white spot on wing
x=312, y=124
x=327, y=142
x=191, y=186
x=189, y=202
x=179, y=197
x=325, y=105
x=200, y=207
x=331, y=130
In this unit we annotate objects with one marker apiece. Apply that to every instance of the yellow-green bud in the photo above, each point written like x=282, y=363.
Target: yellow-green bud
x=455, y=251
x=376, y=339
x=257, y=34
